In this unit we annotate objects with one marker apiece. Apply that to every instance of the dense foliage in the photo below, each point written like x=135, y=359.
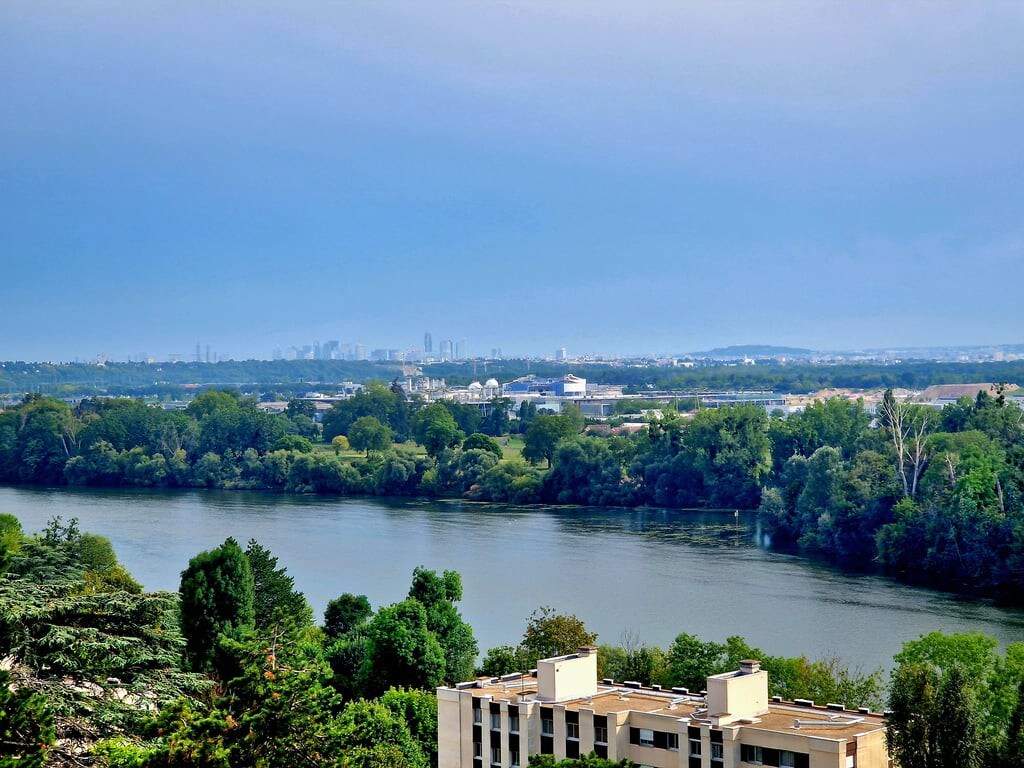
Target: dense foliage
x=933, y=495
x=98, y=670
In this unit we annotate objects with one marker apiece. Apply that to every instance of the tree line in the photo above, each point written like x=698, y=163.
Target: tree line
x=175, y=380
x=233, y=671
x=934, y=495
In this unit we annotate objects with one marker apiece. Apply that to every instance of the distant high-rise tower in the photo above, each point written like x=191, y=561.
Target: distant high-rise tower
x=446, y=349
x=428, y=343
x=561, y=354
x=460, y=349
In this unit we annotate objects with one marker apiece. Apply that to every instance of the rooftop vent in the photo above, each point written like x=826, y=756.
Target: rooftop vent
x=803, y=702
x=632, y=684
x=749, y=666
x=836, y=707
x=678, y=689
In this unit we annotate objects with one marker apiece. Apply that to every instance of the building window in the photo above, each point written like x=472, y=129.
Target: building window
x=694, y=747
x=646, y=737
x=572, y=730
x=600, y=734
x=495, y=755
x=513, y=758
x=513, y=723
x=751, y=754
x=478, y=716
x=547, y=726
x=478, y=750
x=787, y=759
x=717, y=753
x=672, y=741
x=495, y=721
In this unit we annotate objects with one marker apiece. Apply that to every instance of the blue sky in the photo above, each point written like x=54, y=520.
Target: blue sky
x=613, y=178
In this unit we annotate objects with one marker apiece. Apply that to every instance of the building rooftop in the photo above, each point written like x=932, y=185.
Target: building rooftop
x=828, y=722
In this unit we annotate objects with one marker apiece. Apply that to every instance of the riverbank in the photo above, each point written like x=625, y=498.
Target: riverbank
x=653, y=572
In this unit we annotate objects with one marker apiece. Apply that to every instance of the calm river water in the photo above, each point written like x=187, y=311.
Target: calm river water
x=653, y=573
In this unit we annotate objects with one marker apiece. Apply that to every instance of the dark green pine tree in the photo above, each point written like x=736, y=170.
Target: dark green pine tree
x=274, y=590
x=216, y=599
x=26, y=726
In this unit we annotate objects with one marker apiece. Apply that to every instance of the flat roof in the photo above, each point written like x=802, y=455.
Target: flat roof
x=818, y=721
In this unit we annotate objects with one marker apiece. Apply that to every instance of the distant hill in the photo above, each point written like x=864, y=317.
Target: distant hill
x=754, y=350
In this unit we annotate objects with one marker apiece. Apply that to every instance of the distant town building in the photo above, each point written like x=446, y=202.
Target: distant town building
x=561, y=354
x=942, y=394
x=446, y=350
x=561, y=709
x=460, y=350
x=566, y=386
x=428, y=344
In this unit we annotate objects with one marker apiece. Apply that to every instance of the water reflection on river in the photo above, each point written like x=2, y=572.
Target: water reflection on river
x=651, y=572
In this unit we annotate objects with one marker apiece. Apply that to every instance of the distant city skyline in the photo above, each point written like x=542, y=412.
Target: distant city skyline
x=613, y=180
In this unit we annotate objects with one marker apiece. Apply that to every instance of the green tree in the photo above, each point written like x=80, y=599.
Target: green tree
x=274, y=590
x=909, y=728
x=956, y=728
x=497, y=422
x=26, y=726
x=549, y=633
x=273, y=708
x=438, y=595
x=339, y=443
x=370, y=735
x=368, y=434
x=691, y=661
x=482, y=442
x=11, y=536
x=419, y=711
x=1012, y=751
x=543, y=436
x=216, y=599
x=435, y=429
x=344, y=613
x=292, y=443
x=401, y=651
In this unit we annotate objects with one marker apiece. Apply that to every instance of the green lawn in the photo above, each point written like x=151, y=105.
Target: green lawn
x=514, y=449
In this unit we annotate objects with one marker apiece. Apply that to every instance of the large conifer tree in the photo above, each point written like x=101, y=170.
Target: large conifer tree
x=216, y=599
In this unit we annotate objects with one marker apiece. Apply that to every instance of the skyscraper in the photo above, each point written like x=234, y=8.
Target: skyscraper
x=460, y=349
x=428, y=343
x=446, y=349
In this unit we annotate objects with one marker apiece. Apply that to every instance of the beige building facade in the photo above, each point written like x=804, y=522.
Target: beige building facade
x=563, y=710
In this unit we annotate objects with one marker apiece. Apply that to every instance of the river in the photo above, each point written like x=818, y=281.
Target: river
x=651, y=573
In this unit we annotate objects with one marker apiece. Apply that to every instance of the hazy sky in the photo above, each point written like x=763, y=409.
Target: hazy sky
x=621, y=177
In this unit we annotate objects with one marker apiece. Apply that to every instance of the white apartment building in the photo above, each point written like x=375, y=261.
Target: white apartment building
x=561, y=709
